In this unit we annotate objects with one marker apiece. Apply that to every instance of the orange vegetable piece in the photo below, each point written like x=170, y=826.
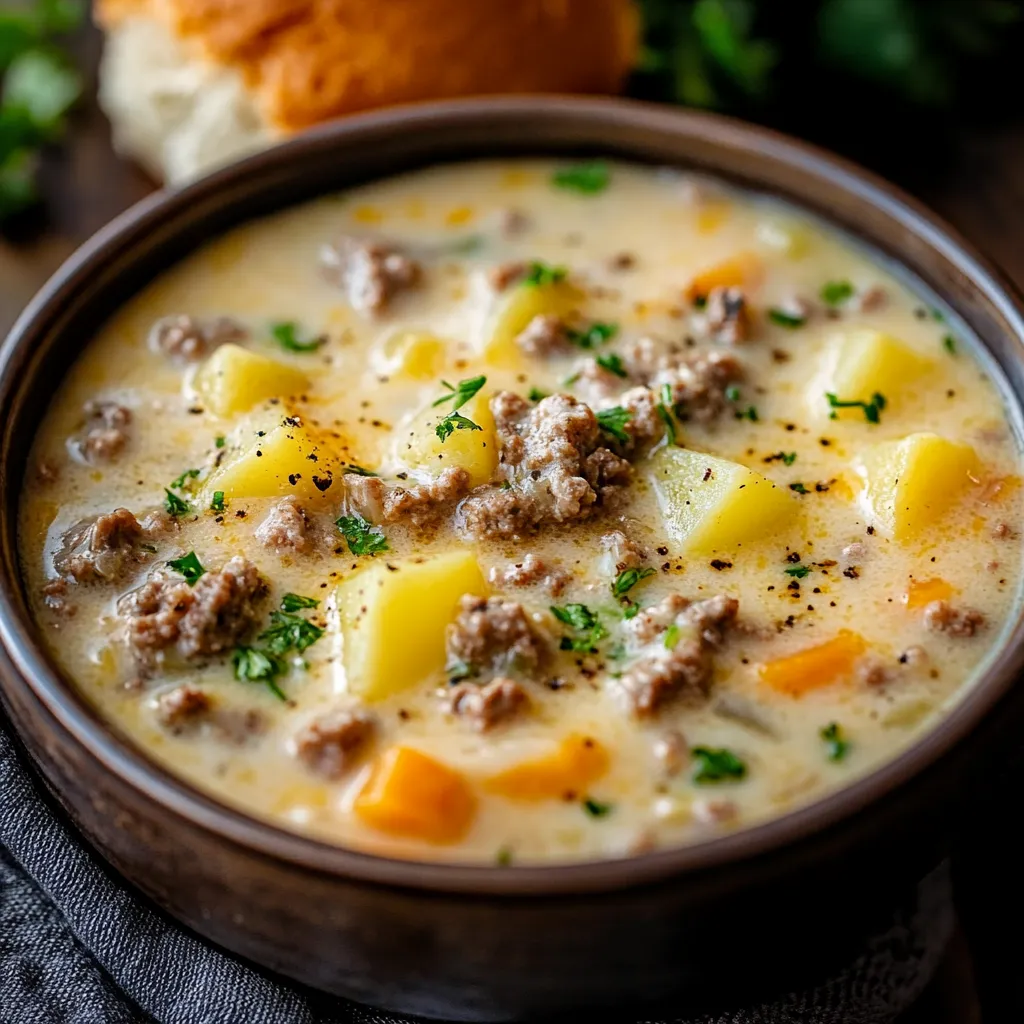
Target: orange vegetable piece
x=814, y=667
x=922, y=592
x=741, y=271
x=410, y=794
x=578, y=762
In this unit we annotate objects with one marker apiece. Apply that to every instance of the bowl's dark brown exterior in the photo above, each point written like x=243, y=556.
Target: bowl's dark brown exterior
x=740, y=917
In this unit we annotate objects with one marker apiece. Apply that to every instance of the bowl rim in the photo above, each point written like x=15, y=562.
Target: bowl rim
x=115, y=753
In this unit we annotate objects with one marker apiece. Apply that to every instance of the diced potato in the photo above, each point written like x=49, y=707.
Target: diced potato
x=785, y=236
x=922, y=592
x=741, y=271
x=909, y=484
x=411, y=794
x=814, y=667
x=415, y=354
x=476, y=451
x=862, y=363
x=517, y=309
x=579, y=761
x=234, y=379
x=277, y=456
x=418, y=598
x=711, y=504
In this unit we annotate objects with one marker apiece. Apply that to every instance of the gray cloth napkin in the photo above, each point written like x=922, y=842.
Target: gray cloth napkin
x=77, y=946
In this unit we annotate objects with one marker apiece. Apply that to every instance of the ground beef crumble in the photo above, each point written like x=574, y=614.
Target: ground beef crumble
x=329, y=745
x=371, y=273
x=182, y=707
x=543, y=336
x=727, y=316
x=486, y=706
x=187, y=340
x=286, y=527
x=531, y=571
x=492, y=636
x=104, y=434
x=623, y=552
x=504, y=275
x=419, y=504
x=105, y=548
x=942, y=617
x=698, y=384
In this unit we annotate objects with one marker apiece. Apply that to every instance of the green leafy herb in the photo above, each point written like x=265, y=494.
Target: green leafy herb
x=536, y=395
x=784, y=319
x=175, y=506
x=629, y=578
x=588, y=178
x=799, y=571
x=179, y=482
x=295, y=602
x=788, y=458
x=750, y=413
x=631, y=610
x=458, y=395
x=288, y=632
x=799, y=488
x=189, y=566
x=732, y=393
x=538, y=274
x=664, y=410
x=597, y=809
x=286, y=334
x=949, y=344
x=671, y=637
x=612, y=362
x=219, y=441
x=836, y=745
x=452, y=422
x=872, y=409
x=613, y=421
x=362, y=538
x=588, y=630
x=255, y=666
x=217, y=504
x=834, y=293
x=596, y=334
x=717, y=765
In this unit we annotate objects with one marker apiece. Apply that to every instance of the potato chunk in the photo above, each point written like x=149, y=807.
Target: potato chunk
x=860, y=364
x=277, y=456
x=711, y=504
x=909, y=484
x=411, y=794
x=414, y=354
x=234, y=379
x=393, y=619
x=517, y=309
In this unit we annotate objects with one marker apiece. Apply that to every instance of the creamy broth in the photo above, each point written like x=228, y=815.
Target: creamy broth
x=872, y=547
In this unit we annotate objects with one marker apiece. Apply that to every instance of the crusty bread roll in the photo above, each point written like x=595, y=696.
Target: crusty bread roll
x=188, y=84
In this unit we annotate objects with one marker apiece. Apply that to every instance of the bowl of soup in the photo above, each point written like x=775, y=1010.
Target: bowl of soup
x=520, y=556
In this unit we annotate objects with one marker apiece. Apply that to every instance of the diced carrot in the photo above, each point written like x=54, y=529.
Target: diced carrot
x=814, y=667
x=922, y=592
x=578, y=762
x=410, y=794
x=741, y=271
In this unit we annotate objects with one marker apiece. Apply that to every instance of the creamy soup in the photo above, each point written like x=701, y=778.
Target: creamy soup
x=525, y=511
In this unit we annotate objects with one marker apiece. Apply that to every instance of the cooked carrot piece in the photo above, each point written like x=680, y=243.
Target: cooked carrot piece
x=814, y=667
x=741, y=271
x=922, y=592
x=578, y=762
x=411, y=794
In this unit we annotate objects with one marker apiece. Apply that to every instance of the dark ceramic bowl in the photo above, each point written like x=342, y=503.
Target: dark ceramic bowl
x=732, y=921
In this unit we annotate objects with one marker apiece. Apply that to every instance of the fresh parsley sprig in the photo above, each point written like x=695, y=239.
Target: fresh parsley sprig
x=286, y=334
x=588, y=178
x=288, y=632
x=836, y=744
x=295, y=602
x=596, y=334
x=715, y=766
x=587, y=630
x=539, y=274
x=629, y=578
x=253, y=665
x=835, y=293
x=189, y=566
x=458, y=395
x=872, y=409
x=361, y=536
x=613, y=421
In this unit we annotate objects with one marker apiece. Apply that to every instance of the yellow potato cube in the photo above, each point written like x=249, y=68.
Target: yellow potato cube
x=275, y=456
x=522, y=303
x=476, y=451
x=415, y=354
x=711, y=504
x=909, y=484
x=417, y=597
x=234, y=379
x=861, y=364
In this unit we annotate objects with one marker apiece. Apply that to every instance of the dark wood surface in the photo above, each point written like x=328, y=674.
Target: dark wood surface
x=978, y=186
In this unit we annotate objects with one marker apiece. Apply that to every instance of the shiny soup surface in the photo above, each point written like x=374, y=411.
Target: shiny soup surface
x=525, y=511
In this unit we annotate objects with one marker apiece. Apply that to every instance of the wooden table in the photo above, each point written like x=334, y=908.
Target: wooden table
x=979, y=188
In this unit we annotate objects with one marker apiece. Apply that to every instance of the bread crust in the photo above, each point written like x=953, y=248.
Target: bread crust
x=311, y=60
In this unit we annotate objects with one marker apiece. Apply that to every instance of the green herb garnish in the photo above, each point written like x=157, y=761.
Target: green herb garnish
x=362, y=538
x=219, y=441
x=596, y=334
x=189, y=566
x=834, y=293
x=836, y=745
x=286, y=334
x=452, y=422
x=717, y=765
x=217, y=504
x=799, y=488
x=351, y=467
x=629, y=578
x=538, y=274
x=179, y=482
x=294, y=602
x=949, y=344
x=458, y=394
x=664, y=411
x=288, y=632
x=175, y=506
x=255, y=666
x=588, y=178
x=732, y=393
x=872, y=409
x=597, y=809
x=750, y=413
x=536, y=395
x=799, y=571
x=784, y=319
x=671, y=637
x=612, y=362
x=613, y=421
x=588, y=630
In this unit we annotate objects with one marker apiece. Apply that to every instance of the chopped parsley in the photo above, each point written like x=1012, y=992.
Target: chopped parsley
x=872, y=409
x=732, y=393
x=288, y=632
x=664, y=410
x=613, y=421
x=717, y=765
x=784, y=319
x=949, y=344
x=217, y=504
x=799, y=488
x=175, y=505
x=834, y=293
x=362, y=538
x=180, y=482
x=293, y=602
x=750, y=413
x=612, y=362
x=255, y=666
x=671, y=637
x=596, y=334
x=799, y=571
x=538, y=274
x=219, y=441
x=536, y=395
x=629, y=578
x=597, y=809
x=836, y=744
x=588, y=178
x=458, y=394
x=189, y=566
x=587, y=629
x=355, y=470
x=452, y=422
x=286, y=334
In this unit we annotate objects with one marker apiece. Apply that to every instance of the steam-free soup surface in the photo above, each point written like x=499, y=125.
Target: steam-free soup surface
x=524, y=511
